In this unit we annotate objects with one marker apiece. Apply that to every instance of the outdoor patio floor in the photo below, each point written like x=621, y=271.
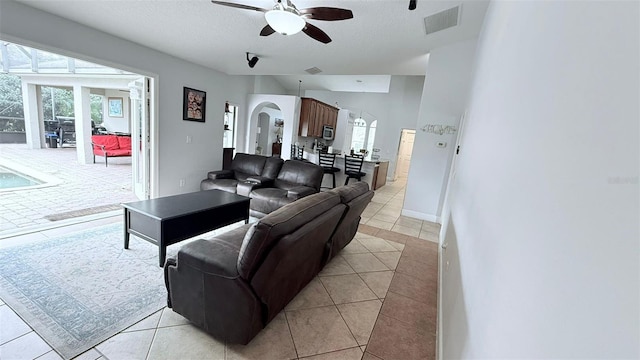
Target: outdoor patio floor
x=81, y=188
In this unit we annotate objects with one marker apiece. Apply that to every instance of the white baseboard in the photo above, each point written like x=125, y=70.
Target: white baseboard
x=422, y=216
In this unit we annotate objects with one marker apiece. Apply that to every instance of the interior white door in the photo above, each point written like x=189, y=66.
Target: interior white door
x=140, y=138
x=405, y=149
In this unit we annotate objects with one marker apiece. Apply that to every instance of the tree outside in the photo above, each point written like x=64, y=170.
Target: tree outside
x=12, y=111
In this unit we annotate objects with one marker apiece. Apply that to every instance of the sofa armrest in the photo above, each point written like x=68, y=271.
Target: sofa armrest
x=220, y=174
x=245, y=188
x=260, y=180
x=93, y=145
x=210, y=257
x=203, y=285
x=299, y=192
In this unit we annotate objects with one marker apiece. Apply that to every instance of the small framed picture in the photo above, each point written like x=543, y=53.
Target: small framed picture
x=193, y=104
x=115, y=107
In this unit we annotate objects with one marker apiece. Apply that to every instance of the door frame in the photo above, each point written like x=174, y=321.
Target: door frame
x=149, y=133
x=402, y=133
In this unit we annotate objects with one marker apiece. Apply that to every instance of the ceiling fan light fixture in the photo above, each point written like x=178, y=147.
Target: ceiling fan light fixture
x=284, y=21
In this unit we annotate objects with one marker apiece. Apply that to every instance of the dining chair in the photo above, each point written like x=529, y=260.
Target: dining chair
x=353, y=168
x=327, y=161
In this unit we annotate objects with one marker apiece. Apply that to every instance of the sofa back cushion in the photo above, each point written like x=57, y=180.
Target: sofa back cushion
x=272, y=167
x=261, y=237
x=295, y=173
x=124, y=142
x=286, y=249
x=356, y=197
x=349, y=192
x=110, y=142
x=247, y=165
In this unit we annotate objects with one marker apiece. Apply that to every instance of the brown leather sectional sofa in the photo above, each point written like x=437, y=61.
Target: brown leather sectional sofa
x=270, y=182
x=233, y=285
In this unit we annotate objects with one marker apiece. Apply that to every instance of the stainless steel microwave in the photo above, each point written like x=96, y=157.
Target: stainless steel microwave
x=327, y=132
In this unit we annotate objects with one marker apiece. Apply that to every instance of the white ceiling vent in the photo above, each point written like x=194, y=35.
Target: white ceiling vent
x=442, y=20
x=314, y=70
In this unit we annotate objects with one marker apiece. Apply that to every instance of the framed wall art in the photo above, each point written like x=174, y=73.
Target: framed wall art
x=194, y=104
x=114, y=105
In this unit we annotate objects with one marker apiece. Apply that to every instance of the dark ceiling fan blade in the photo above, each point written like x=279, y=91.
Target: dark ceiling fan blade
x=316, y=33
x=266, y=31
x=239, y=6
x=327, y=13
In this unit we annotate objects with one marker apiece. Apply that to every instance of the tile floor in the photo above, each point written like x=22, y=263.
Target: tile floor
x=376, y=300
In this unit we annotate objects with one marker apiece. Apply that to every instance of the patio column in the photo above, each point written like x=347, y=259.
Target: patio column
x=33, y=127
x=82, y=114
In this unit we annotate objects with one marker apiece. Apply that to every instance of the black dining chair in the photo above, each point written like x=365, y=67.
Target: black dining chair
x=297, y=152
x=326, y=161
x=353, y=168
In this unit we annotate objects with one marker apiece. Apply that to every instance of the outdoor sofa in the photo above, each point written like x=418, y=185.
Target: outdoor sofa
x=110, y=146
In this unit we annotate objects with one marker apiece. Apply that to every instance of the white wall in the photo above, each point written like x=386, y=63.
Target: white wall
x=443, y=101
x=290, y=110
x=545, y=203
x=116, y=124
x=175, y=158
x=267, y=133
x=266, y=84
x=394, y=111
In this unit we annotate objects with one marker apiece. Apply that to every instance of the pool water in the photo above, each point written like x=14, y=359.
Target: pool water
x=11, y=179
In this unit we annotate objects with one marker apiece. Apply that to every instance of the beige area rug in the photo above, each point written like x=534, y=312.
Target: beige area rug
x=79, y=289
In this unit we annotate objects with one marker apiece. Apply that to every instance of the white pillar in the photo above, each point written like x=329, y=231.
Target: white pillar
x=30, y=96
x=40, y=103
x=82, y=114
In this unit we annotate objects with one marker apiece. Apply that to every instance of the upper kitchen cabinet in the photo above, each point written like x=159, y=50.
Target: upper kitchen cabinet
x=314, y=115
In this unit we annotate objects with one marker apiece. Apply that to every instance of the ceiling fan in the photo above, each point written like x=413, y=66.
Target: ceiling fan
x=286, y=19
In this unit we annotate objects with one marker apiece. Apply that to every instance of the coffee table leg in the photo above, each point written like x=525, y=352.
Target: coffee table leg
x=163, y=254
x=126, y=229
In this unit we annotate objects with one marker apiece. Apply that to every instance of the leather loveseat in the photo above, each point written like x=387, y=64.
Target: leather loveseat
x=295, y=180
x=259, y=168
x=233, y=285
x=268, y=181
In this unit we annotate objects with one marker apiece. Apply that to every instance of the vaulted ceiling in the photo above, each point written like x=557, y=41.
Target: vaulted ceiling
x=383, y=38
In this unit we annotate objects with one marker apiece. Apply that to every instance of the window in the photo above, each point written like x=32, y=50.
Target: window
x=358, y=139
x=372, y=135
x=363, y=137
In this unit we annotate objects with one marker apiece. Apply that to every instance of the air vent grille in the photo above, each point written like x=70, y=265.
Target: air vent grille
x=442, y=20
x=314, y=70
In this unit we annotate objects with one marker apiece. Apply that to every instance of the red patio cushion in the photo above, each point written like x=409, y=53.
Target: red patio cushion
x=119, y=152
x=125, y=142
x=110, y=142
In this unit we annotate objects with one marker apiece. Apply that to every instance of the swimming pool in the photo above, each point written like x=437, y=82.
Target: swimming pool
x=10, y=179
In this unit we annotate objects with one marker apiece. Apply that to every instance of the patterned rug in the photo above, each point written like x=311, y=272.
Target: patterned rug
x=78, y=290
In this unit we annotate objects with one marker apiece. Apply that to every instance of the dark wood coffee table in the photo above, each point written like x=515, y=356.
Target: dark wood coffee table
x=171, y=219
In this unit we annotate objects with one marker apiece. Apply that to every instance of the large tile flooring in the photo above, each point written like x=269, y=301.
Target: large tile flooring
x=376, y=300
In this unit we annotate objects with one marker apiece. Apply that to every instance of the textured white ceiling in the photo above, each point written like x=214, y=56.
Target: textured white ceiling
x=383, y=38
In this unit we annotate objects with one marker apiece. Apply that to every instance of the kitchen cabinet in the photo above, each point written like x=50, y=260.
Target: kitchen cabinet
x=314, y=115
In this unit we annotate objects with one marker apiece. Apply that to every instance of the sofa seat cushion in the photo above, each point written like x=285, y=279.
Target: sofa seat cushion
x=228, y=185
x=267, y=200
x=119, y=152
